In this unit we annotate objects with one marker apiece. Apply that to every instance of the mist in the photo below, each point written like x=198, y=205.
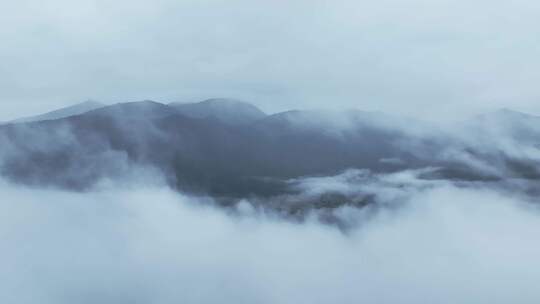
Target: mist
x=240, y=151
x=149, y=244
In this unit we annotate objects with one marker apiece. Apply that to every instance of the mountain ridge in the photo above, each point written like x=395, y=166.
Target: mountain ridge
x=207, y=155
x=227, y=110
x=76, y=109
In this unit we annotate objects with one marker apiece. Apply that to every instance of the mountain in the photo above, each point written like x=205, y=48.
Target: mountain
x=140, y=110
x=200, y=153
x=512, y=123
x=76, y=109
x=196, y=154
x=505, y=138
x=229, y=111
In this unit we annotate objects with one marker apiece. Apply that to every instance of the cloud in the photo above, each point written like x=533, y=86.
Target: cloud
x=423, y=58
x=150, y=244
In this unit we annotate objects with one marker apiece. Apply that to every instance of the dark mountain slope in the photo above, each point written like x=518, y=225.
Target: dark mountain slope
x=206, y=155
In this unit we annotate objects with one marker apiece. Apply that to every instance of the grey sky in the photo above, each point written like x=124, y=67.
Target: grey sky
x=416, y=57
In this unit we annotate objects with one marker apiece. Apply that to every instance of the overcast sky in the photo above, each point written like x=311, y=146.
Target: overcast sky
x=417, y=57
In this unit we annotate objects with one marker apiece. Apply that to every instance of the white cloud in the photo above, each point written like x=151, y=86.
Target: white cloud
x=151, y=245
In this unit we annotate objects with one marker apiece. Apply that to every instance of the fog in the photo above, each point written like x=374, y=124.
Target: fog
x=394, y=179
x=149, y=244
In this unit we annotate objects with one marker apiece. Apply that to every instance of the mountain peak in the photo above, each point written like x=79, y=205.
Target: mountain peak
x=231, y=111
x=72, y=110
x=136, y=109
x=223, y=100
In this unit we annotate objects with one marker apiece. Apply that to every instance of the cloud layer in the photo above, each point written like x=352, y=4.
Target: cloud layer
x=150, y=245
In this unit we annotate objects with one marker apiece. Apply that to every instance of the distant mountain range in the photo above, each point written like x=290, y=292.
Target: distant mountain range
x=231, y=149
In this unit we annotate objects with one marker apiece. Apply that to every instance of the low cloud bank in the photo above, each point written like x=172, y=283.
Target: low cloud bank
x=441, y=244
